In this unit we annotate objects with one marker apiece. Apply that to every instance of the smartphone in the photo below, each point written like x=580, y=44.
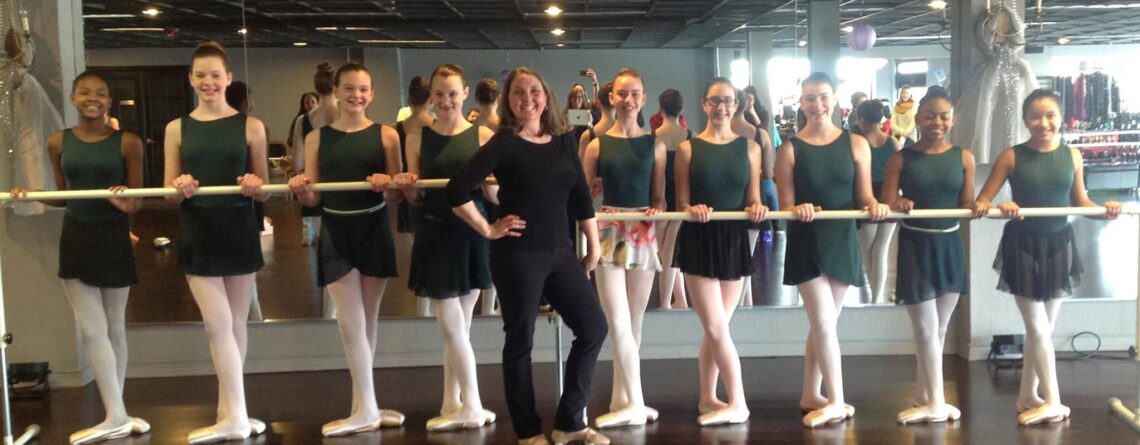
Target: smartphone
x=584, y=73
x=579, y=118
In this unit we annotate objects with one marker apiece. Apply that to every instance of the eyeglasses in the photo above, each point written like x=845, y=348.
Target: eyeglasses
x=717, y=101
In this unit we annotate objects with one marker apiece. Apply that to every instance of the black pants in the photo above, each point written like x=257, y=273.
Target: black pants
x=521, y=278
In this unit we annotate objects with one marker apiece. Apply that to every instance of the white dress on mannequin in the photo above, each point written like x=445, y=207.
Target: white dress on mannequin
x=993, y=98
x=35, y=119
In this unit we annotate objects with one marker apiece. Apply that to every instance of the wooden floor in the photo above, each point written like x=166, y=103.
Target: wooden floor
x=296, y=404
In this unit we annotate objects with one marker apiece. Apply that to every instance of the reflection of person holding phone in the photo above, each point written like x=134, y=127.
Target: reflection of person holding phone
x=578, y=103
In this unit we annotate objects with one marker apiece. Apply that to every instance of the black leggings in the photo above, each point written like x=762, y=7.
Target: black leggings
x=522, y=278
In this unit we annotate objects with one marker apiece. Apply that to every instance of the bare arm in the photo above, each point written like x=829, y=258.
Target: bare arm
x=312, y=173
x=391, y=145
x=966, y=198
x=785, y=180
x=657, y=186
x=590, y=161
x=256, y=139
x=172, y=151
x=131, y=149
x=681, y=175
x=490, y=191
x=1002, y=168
x=767, y=154
x=297, y=147
x=891, y=178
x=861, y=152
x=752, y=195
x=414, y=196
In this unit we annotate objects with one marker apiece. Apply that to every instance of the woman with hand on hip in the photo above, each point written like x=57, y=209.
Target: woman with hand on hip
x=631, y=164
x=717, y=170
x=541, y=187
x=1037, y=258
x=355, y=254
x=823, y=167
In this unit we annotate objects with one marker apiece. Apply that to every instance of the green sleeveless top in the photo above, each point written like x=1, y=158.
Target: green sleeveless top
x=1042, y=179
x=92, y=165
x=825, y=174
x=718, y=174
x=215, y=153
x=626, y=168
x=932, y=181
x=879, y=157
x=440, y=157
x=350, y=157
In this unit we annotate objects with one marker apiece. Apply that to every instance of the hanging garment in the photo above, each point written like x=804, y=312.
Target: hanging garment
x=36, y=119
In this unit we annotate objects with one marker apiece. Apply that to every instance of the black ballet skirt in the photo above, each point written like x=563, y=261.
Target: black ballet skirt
x=97, y=252
x=929, y=265
x=716, y=249
x=361, y=241
x=1038, y=265
x=219, y=241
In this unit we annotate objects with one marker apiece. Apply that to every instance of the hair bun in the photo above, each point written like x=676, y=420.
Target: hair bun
x=210, y=44
x=325, y=66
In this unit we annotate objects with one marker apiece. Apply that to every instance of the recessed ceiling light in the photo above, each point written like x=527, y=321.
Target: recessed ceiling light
x=803, y=42
x=848, y=28
x=326, y=28
x=300, y=43
x=553, y=11
x=561, y=45
x=937, y=4
x=1063, y=40
x=151, y=11
x=557, y=31
x=242, y=31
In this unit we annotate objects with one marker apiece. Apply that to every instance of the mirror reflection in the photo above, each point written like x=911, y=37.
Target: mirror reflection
x=152, y=90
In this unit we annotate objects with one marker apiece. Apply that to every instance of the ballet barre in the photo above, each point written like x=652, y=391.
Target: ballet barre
x=863, y=214
x=156, y=192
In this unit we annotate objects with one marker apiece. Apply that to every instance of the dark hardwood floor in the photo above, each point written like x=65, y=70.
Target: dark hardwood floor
x=296, y=405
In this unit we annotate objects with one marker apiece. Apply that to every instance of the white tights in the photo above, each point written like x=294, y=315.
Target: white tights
x=672, y=282
x=357, y=299
x=875, y=242
x=460, y=385
x=624, y=294
x=224, y=303
x=714, y=301
x=746, y=288
x=1039, y=360
x=929, y=320
x=823, y=300
x=100, y=317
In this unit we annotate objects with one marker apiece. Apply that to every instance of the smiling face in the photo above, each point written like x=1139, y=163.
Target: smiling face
x=628, y=96
x=577, y=98
x=209, y=78
x=816, y=101
x=719, y=103
x=935, y=119
x=354, y=91
x=904, y=94
x=448, y=94
x=527, y=98
x=91, y=97
x=1043, y=119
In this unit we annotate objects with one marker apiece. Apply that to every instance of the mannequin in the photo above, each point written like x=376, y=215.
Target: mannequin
x=717, y=169
x=629, y=248
x=935, y=174
x=875, y=238
x=450, y=262
x=220, y=247
x=96, y=261
x=672, y=283
x=356, y=253
x=827, y=264
x=1042, y=172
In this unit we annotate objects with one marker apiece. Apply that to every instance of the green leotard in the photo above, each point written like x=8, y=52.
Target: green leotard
x=932, y=181
x=626, y=168
x=215, y=153
x=1042, y=179
x=825, y=177
x=718, y=174
x=931, y=256
x=879, y=157
x=92, y=165
x=347, y=157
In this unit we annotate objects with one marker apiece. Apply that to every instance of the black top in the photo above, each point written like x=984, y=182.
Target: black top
x=540, y=183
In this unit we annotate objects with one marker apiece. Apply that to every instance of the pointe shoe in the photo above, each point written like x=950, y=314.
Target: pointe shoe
x=586, y=435
x=341, y=428
x=390, y=418
x=705, y=409
x=850, y=410
x=825, y=416
x=92, y=435
x=535, y=440
x=651, y=415
x=1044, y=414
x=256, y=427
x=625, y=417
x=139, y=426
x=208, y=435
x=451, y=423
x=921, y=415
x=724, y=416
x=489, y=417
x=954, y=414
x=1023, y=408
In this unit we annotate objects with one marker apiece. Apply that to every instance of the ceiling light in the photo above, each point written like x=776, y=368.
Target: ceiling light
x=803, y=42
x=359, y=28
x=557, y=31
x=937, y=4
x=326, y=28
x=848, y=28
x=913, y=67
x=561, y=45
x=300, y=43
x=1063, y=40
x=151, y=11
x=397, y=42
x=242, y=31
x=108, y=16
x=553, y=11
x=134, y=29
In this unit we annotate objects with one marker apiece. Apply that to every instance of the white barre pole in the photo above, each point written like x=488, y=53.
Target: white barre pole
x=209, y=190
x=862, y=214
